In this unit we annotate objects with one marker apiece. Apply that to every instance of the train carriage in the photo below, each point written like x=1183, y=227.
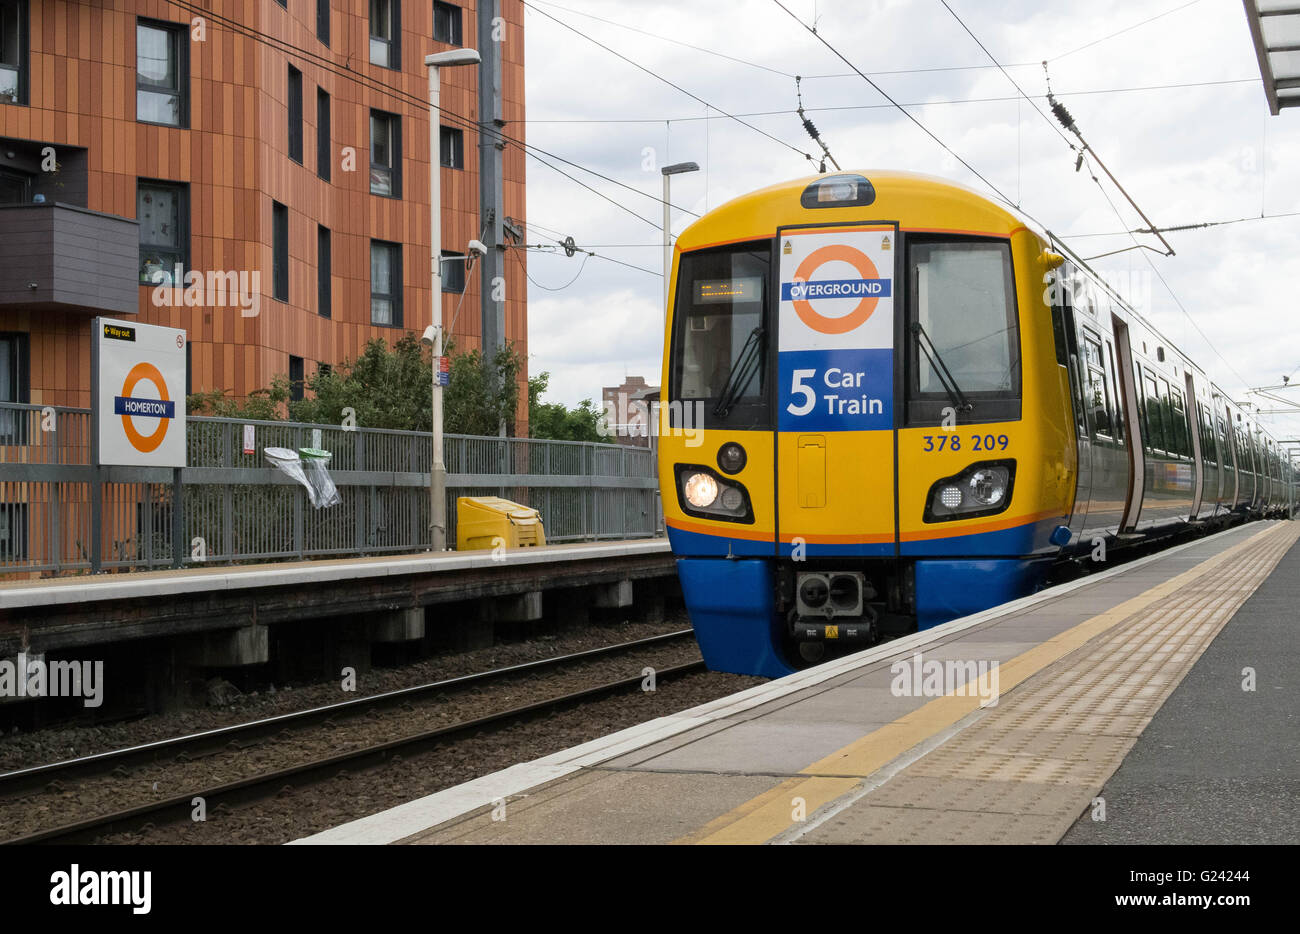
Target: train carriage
x=891, y=402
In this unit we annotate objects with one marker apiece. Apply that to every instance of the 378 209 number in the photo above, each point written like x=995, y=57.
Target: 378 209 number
x=973, y=443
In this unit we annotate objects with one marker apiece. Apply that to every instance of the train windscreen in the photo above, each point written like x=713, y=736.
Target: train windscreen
x=720, y=334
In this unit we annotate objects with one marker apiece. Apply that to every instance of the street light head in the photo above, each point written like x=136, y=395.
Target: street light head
x=429, y=334
x=476, y=246
x=452, y=57
x=679, y=168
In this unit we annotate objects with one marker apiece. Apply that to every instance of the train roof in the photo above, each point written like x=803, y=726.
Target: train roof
x=914, y=200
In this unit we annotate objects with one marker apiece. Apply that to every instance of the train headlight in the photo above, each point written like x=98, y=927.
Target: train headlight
x=988, y=485
x=701, y=490
x=982, y=489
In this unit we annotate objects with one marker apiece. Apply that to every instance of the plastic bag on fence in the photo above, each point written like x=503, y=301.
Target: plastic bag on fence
x=315, y=460
x=290, y=464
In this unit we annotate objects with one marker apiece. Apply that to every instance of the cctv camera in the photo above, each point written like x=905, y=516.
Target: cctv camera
x=476, y=247
x=429, y=334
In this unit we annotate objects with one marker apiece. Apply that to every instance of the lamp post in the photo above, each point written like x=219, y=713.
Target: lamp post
x=668, y=172
x=438, y=469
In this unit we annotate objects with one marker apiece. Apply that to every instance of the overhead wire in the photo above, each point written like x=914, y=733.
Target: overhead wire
x=1177, y=228
x=672, y=84
x=881, y=91
x=414, y=100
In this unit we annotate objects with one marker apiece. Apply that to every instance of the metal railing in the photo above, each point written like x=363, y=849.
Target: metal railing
x=237, y=508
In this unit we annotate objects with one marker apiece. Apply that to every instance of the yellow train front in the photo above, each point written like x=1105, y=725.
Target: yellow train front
x=864, y=428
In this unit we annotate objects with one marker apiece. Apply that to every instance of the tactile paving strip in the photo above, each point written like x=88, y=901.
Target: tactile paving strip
x=1027, y=769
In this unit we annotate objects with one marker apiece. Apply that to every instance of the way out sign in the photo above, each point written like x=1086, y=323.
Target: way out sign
x=139, y=393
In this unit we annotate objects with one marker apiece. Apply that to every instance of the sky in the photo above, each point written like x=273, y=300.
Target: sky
x=1174, y=106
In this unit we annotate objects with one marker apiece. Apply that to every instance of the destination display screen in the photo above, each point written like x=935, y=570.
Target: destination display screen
x=727, y=291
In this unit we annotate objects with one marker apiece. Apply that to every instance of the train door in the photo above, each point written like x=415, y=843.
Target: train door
x=1129, y=393
x=1212, y=491
x=1191, y=418
x=1230, y=461
x=835, y=446
x=1109, y=486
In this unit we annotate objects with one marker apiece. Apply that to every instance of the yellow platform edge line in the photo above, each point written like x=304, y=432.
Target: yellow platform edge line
x=773, y=812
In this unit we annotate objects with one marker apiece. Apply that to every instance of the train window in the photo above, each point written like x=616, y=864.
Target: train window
x=962, y=296
x=1118, y=410
x=1225, y=445
x=721, y=321
x=1181, y=440
x=1096, y=392
x=1154, y=412
x=1207, y=434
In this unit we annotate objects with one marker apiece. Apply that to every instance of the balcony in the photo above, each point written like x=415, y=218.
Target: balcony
x=59, y=257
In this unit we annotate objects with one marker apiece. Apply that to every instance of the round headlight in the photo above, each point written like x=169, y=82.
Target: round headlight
x=732, y=498
x=813, y=592
x=988, y=486
x=950, y=496
x=731, y=457
x=701, y=490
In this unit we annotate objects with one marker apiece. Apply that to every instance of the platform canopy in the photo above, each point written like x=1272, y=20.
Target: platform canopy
x=1275, y=29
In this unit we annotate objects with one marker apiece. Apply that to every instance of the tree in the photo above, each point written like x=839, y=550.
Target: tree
x=388, y=388
x=553, y=420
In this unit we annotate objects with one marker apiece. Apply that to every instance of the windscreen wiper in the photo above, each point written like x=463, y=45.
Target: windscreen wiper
x=931, y=352
x=742, y=372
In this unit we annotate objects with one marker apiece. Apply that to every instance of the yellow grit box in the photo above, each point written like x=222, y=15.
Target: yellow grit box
x=493, y=522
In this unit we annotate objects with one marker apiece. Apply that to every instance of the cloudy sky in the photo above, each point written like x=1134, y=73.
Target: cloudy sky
x=1175, y=106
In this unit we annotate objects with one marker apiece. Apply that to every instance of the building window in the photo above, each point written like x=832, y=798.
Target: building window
x=15, y=187
x=385, y=154
x=15, y=385
x=385, y=284
x=279, y=251
x=453, y=272
x=295, y=115
x=13, y=52
x=324, y=283
x=161, y=73
x=162, y=208
x=324, y=149
x=385, y=33
x=295, y=379
x=323, y=21
x=446, y=23
x=452, y=146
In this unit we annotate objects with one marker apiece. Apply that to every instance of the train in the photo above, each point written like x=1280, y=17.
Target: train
x=890, y=402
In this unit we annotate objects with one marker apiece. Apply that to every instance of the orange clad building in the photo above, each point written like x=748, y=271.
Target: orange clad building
x=279, y=150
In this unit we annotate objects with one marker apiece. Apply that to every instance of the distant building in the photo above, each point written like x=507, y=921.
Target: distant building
x=628, y=410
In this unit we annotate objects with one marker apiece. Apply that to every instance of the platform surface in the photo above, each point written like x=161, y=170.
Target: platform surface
x=16, y=594
x=1020, y=716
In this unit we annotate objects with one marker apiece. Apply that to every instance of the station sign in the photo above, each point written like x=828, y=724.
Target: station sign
x=836, y=328
x=139, y=393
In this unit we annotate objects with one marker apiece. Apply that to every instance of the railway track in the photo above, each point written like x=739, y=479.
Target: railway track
x=268, y=784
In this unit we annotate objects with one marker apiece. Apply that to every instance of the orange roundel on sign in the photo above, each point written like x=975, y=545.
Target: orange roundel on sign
x=812, y=262
x=144, y=443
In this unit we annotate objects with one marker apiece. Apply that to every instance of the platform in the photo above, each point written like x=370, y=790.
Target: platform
x=72, y=612
x=849, y=753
